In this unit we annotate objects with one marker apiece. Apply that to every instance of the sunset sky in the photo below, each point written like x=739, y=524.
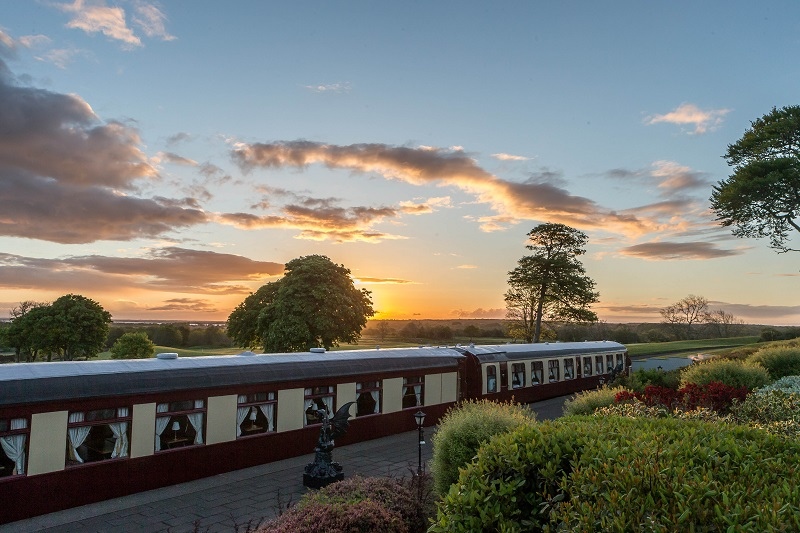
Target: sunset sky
x=166, y=159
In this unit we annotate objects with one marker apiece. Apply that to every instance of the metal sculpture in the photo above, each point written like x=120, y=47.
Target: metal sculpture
x=324, y=471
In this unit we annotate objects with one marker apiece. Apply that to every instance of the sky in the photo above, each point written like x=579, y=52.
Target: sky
x=168, y=158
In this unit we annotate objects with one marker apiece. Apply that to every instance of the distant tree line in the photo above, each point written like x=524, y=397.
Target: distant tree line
x=174, y=335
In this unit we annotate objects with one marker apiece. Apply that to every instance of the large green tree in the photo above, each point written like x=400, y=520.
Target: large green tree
x=76, y=326
x=551, y=284
x=761, y=198
x=314, y=304
x=133, y=345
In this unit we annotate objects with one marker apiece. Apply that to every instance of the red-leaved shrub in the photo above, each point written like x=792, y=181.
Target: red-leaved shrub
x=715, y=396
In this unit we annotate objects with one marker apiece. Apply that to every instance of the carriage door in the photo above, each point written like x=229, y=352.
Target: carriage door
x=503, y=376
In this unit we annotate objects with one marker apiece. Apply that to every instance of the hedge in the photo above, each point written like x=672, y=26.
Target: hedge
x=621, y=474
x=780, y=361
x=463, y=429
x=731, y=373
x=585, y=403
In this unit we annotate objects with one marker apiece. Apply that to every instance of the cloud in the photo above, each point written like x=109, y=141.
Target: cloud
x=151, y=20
x=425, y=206
x=185, y=304
x=530, y=200
x=769, y=314
x=68, y=177
x=675, y=178
x=339, y=87
x=170, y=269
x=467, y=267
x=171, y=157
x=97, y=17
x=690, y=114
x=677, y=250
x=509, y=157
x=480, y=313
x=383, y=281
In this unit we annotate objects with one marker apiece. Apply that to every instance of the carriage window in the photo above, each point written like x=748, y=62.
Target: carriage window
x=13, y=438
x=620, y=361
x=587, y=367
x=598, y=365
x=255, y=413
x=569, y=368
x=491, y=379
x=368, y=398
x=318, y=399
x=609, y=362
x=537, y=372
x=179, y=424
x=413, y=392
x=517, y=375
x=97, y=435
x=554, y=372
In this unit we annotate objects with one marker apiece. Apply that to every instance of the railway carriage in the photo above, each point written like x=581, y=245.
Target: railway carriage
x=73, y=433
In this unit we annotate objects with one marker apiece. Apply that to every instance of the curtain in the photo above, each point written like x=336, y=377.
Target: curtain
x=328, y=401
x=418, y=394
x=376, y=395
x=161, y=423
x=241, y=414
x=268, y=409
x=309, y=417
x=196, y=420
x=120, y=431
x=77, y=436
x=14, y=445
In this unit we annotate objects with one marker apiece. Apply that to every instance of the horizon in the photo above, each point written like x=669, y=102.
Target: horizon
x=166, y=159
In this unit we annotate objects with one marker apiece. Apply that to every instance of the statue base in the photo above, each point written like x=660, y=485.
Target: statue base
x=322, y=471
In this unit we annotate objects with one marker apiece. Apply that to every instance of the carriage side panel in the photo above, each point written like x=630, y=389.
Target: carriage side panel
x=48, y=442
x=221, y=425
x=142, y=430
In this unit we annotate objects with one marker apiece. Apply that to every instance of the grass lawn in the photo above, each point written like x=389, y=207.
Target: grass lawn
x=706, y=345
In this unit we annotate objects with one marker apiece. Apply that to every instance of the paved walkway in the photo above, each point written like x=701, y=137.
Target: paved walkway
x=229, y=502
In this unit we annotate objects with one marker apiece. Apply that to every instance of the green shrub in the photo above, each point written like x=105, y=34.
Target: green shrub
x=731, y=373
x=779, y=361
x=622, y=474
x=463, y=429
x=787, y=384
x=640, y=379
x=772, y=409
x=585, y=403
x=356, y=504
x=133, y=345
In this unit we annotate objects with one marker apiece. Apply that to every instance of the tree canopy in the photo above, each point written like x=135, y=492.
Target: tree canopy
x=550, y=284
x=72, y=326
x=315, y=304
x=761, y=198
x=133, y=345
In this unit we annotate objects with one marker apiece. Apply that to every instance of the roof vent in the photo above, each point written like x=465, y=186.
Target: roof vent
x=317, y=350
x=167, y=355
x=248, y=353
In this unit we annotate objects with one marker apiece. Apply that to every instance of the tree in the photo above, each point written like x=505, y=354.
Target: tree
x=21, y=333
x=551, y=284
x=384, y=330
x=76, y=326
x=133, y=345
x=315, y=304
x=683, y=314
x=723, y=324
x=762, y=196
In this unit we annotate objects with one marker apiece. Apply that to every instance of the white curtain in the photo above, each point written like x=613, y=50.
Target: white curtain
x=77, y=436
x=269, y=411
x=376, y=395
x=418, y=394
x=241, y=414
x=309, y=418
x=328, y=401
x=161, y=423
x=520, y=378
x=14, y=445
x=196, y=420
x=120, y=431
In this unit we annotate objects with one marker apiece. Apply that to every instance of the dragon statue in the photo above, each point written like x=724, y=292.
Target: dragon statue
x=324, y=471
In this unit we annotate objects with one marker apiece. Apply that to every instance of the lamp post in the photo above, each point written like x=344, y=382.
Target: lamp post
x=419, y=416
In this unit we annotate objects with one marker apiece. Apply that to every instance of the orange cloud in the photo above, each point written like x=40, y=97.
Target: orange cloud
x=690, y=114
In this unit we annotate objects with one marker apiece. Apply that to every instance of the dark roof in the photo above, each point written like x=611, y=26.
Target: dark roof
x=542, y=350
x=25, y=383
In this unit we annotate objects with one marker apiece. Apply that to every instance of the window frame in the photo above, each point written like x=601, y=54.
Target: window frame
x=8, y=432
x=551, y=367
x=315, y=395
x=361, y=389
x=419, y=401
x=170, y=413
x=537, y=365
x=514, y=374
x=251, y=403
x=98, y=455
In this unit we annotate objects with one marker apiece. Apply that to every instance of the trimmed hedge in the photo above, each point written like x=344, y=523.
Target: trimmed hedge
x=585, y=403
x=780, y=361
x=622, y=474
x=732, y=373
x=463, y=429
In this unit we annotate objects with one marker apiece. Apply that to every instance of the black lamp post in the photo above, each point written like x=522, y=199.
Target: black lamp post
x=419, y=416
